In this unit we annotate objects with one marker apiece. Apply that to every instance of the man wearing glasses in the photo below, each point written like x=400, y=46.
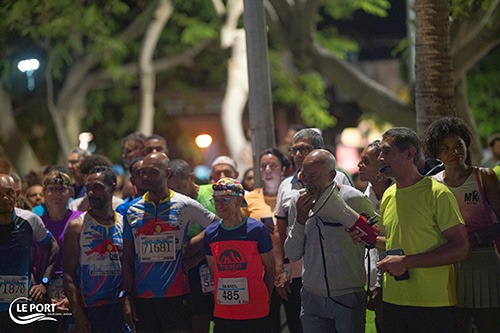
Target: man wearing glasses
x=239, y=254
x=304, y=142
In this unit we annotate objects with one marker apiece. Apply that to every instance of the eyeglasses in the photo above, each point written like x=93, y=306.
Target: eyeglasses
x=270, y=165
x=59, y=189
x=302, y=149
x=221, y=200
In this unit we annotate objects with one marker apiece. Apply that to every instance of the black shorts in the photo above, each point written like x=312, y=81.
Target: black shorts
x=164, y=314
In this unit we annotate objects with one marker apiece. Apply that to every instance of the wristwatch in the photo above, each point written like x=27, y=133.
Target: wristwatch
x=45, y=281
x=123, y=293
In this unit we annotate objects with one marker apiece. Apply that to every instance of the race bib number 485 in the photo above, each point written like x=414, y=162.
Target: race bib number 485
x=156, y=248
x=12, y=287
x=232, y=291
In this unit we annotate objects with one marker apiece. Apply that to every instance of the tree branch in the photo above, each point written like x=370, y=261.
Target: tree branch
x=79, y=70
x=369, y=94
x=182, y=59
x=466, y=57
x=464, y=32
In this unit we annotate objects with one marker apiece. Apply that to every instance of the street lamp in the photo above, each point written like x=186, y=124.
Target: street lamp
x=85, y=138
x=28, y=66
x=203, y=140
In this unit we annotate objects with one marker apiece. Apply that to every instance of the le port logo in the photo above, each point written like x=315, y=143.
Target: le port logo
x=23, y=313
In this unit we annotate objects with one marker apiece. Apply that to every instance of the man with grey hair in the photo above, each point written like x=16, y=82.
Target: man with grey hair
x=75, y=157
x=425, y=235
x=288, y=287
x=333, y=277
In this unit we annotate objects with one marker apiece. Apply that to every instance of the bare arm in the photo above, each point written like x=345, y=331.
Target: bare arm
x=279, y=237
x=128, y=266
x=38, y=291
x=491, y=186
x=71, y=255
x=52, y=252
x=194, y=246
x=269, y=270
x=456, y=249
x=210, y=264
x=491, y=190
x=128, y=277
x=281, y=280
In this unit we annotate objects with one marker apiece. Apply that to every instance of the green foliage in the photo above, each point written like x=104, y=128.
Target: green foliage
x=306, y=91
x=191, y=22
x=113, y=113
x=312, y=103
x=462, y=9
x=197, y=31
x=68, y=31
x=330, y=39
x=344, y=9
x=484, y=96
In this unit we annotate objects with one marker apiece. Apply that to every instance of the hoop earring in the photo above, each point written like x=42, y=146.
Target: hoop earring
x=379, y=177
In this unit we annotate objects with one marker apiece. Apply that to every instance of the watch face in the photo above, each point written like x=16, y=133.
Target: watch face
x=45, y=280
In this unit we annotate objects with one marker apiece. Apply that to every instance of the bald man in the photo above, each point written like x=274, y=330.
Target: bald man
x=333, y=296
x=18, y=228
x=155, y=287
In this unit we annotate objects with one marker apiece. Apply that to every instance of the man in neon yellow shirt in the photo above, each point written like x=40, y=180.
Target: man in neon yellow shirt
x=496, y=169
x=420, y=217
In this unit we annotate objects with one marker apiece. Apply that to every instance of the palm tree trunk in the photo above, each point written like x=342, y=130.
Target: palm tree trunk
x=434, y=91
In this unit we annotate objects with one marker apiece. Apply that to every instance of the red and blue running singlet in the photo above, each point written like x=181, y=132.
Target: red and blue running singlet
x=100, y=269
x=159, y=233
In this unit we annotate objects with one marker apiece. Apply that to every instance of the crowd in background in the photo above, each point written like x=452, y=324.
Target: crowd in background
x=142, y=247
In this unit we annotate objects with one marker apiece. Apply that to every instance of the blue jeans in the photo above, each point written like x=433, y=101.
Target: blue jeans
x=322, y=314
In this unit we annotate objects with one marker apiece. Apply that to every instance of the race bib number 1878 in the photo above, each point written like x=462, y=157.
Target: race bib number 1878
x=12, y=287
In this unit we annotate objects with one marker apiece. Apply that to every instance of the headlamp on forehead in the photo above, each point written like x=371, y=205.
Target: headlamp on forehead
x=58, y=179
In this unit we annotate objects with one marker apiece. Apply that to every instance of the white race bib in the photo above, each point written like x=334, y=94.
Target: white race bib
x=56, y=289
x=12, y=287
x=232, y=291
x=156, y=248
x=207, y=280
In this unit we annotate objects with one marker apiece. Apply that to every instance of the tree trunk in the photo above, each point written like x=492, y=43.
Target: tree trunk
x=75, y=112
x=434, y=90
x=233, y=104
x=146, y=67
x=17, y=149
x=464, y=113
x=236, y=95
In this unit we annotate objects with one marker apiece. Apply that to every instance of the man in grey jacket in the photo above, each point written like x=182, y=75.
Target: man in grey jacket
x=333, y=296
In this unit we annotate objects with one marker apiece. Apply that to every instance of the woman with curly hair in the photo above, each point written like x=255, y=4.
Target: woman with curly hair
x=478, y=194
